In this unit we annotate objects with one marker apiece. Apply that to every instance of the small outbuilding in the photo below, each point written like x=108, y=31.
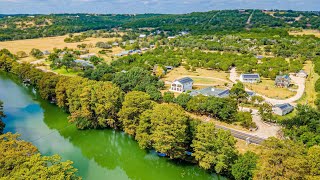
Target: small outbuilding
x=282, y=109
x=182, y=85
x=250, y=78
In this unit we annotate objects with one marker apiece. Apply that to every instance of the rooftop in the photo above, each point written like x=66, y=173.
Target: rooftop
x=211, y=91
x=184, y=80
x=250, y=76
x=284, y=106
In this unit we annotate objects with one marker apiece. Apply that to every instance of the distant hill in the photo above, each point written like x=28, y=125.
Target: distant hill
x=14, y=27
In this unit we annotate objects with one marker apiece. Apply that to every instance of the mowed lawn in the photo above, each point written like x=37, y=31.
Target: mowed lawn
x=202, y=77
x=310, y=94
x=267, y=88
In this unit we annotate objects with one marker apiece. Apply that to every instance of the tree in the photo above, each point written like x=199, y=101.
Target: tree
x=68, y=61
x=165, y=129
x=304, y=126
x=244, y=166
x=214, y=149
x=265, y=111
x=47, y=86
x=21, y=54
x=168, y=97
x=36, y=53
x=135, y=103
x=2, y=115
x=183, y=99
x=285, y=160
x=154, y=93
x=137, y=79
x=238, y=92
x=95, y=60
x=94, y=104
x=245, y=118
x=21, y=160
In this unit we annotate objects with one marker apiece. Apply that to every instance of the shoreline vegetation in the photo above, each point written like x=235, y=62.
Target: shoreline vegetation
x=163, y=127
x=21, y=160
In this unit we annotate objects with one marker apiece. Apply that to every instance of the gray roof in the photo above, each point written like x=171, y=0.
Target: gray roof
x=184, y=80
x=284, y=106
x=250, y=76
x=287, y=77
x=83, y=63
x=211, y=91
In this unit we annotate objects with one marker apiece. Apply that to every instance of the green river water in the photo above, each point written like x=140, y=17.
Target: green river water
x=97, y=154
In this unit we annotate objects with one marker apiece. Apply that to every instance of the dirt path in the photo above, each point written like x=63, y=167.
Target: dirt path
x=300, y=82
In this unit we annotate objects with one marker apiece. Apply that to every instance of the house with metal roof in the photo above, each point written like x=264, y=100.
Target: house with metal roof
x=87, y=56
x=211, y=91
x=282, y=109
x=283, y=81
x=216, y=92
x=83, y=63
x=250, y=78
x=182, y=85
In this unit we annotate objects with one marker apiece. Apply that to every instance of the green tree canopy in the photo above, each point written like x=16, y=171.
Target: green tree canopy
x=134, y=104
x=21, y=160
x=214, y=149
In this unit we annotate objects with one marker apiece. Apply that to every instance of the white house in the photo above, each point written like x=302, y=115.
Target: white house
x=302, y=74
x=250, y=78
x=182, y=85
x=142, y=36
x=282, y=109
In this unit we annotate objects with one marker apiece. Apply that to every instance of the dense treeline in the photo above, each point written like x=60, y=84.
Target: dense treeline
x=221, y=22
x=28, y=27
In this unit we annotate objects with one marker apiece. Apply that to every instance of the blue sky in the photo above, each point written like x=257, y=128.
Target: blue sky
x=147, y=6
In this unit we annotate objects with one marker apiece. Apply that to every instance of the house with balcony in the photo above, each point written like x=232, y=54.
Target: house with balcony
x=182, y=85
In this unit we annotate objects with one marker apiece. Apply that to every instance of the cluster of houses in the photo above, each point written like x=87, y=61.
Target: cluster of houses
x=185, y=84
x=125, y=53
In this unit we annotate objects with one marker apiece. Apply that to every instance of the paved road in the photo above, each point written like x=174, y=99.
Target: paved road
x=265, y=130
x=242, y=135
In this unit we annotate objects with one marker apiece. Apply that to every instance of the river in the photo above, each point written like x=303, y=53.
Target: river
x=97, y=154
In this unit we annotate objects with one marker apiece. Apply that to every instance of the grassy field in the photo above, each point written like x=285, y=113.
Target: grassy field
x=56, y=42
x=201, y=77
x=306, y=32
x=267, y=88
x=310, y=94
x=181, y=71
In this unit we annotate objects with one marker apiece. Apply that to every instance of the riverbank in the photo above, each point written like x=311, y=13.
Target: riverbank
x=98, y=154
